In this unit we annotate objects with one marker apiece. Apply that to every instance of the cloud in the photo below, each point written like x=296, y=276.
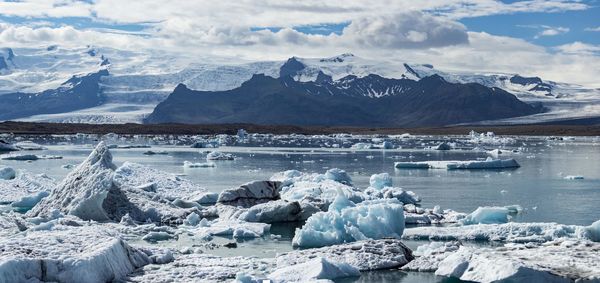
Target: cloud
x=405, y=30
x=552, y=31
x=579, y=48
x=593, y=29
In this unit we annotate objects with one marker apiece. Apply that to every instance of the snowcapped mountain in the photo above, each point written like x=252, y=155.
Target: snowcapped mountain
x=138, y=81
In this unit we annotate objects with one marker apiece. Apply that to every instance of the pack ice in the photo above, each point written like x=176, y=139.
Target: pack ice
x=488, y=163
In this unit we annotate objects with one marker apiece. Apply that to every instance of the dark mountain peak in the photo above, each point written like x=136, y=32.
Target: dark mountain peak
x=427, y=66
x=411, y=70
x=322, y=78
x=435, y=78
x=181, y=87
x=517, y=79
x=51, y=47
x=338, y=59
x=88, y=79
x=291, y=67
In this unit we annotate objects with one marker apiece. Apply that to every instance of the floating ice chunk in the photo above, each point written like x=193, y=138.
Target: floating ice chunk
x=417, y=215
x=31, y=200
x=28, y=145
x=443, y=146
x=151, y=152
x=453, y=165
x=68, y=254
x=192, y=220
x=594, y=231
x=559, y=261
x=338, y=175
x=29, y=157
x=372, y=219
x=364, y=255
x=203, y=197
x=573, y=177
x=187, y=164
x=203, y=268
x=235, y=228
x=487, y=215
x=157, y=236
x=430, y=255
x=7, y=173
x=216, y=155
x=508, y=232
x=317, y=268
x=362, y=145
x=406, y=197
x=379, y=181
x=4, y=147
x=270, y=212
x=251, y=193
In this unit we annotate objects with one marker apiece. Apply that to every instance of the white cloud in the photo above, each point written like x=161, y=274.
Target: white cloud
x=593, y=29
x=424, y=31
x=405, y=30
x=579, y=48
x=552, y=31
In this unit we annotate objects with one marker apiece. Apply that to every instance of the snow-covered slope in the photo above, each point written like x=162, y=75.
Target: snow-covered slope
x=138, y=81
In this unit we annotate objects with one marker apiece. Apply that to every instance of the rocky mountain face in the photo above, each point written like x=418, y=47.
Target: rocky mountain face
x=431, y=101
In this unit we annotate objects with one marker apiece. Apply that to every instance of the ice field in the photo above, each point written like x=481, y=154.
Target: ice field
x=248, y=207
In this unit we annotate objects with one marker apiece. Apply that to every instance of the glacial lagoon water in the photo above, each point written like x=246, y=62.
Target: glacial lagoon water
x=539, y=185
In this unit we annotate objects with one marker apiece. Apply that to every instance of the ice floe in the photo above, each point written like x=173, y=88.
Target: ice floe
x=507, y=232
x=314, y=269
x=216, y=155
x=251, y=193
x=556, y=261
x=489, y=163
x=348, y=222
x=28, y=157
x=77, y=254
x=187, y=164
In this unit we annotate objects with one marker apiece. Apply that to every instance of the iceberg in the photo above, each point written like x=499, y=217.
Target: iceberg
x=269, y=212
x=83, y=191
x=236, y=228
x=5, y=146
x=558, y=261
x=338, y=175
x=314, y=269
x=68, y=254
x=28, y=145
x=379, y=181
x=348, y=222
x=251, y=193
x=203, y=268
x=487, y=215
x=216, y=155
x=187, y=164
x=96, y=190
x=7, y=173
x=511, y=232
x=365, y=255
x=489, y=163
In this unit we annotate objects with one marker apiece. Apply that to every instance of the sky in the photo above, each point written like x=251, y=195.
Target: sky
x=555, y=39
